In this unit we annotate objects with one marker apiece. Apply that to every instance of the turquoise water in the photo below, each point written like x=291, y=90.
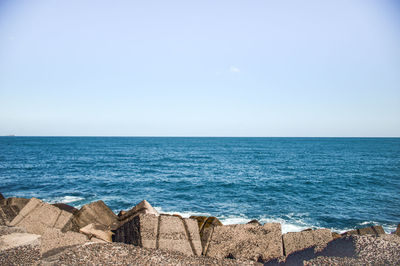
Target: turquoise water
x=338, y=183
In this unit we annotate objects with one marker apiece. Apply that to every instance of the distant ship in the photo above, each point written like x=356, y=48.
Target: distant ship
x=9, y=136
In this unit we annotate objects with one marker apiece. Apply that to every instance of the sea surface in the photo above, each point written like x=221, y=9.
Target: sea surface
x=337, y=183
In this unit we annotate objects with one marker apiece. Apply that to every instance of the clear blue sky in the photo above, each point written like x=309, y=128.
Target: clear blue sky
x=200, y=68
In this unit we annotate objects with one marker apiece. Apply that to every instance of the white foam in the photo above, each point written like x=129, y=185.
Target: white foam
x=183, y=214
x=65, y=199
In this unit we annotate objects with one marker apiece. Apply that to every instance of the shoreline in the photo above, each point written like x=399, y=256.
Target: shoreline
x=39, y=232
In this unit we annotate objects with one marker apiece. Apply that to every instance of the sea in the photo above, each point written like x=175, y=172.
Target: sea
x=336, y=183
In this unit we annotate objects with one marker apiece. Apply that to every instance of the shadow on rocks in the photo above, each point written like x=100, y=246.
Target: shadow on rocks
x=342, y=247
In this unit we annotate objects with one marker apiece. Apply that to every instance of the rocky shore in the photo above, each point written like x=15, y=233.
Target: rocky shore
x=33, y=232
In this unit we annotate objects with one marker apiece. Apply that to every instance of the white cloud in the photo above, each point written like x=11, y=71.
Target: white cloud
x=234, y=69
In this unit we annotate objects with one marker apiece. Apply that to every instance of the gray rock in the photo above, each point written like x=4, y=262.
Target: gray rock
x=296, y=241
x=19, y=249
x=96, y=213
x=37, y=216
x=246, y=241
x=255, y=222
x=165, y=232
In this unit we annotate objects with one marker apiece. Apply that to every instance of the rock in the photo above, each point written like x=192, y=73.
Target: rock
x=336, y=235
x=96, y=213
x=122, y=254
x=359, y=250
x=142, y=207
x=19, y=249
x=372, y=230
x=397, y=230
x=6, y=230
x=1, y=196
x=296, y=241
x=165, y=232
x=19, y=202
x=254, y=221
x=37, y=216
x=55, y=241
x=205, y=228
x=65, y=207
x=7, y=213
x=98, y=231
x=246, y=241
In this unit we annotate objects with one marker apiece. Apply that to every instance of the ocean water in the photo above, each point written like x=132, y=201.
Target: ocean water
x=337, y=183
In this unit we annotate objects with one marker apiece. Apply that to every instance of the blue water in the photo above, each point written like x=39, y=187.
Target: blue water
x=337, y=183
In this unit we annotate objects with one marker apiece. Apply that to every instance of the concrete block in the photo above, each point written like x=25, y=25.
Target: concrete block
x=37, y=216
x=246, y=241
x=142, y=207
x=98, y=231
x=96, y=213
x=166, y=232
x=55, y=241
x=19, y=249
x=206, y=225
x=19, y=202
x=7, y=213
x=372, y=230
x=296, y=241
x=6, y=230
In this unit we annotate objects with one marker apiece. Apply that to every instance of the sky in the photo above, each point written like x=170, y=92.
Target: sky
x=200, y=68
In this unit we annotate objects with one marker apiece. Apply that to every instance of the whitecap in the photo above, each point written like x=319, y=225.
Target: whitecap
x=65, y=199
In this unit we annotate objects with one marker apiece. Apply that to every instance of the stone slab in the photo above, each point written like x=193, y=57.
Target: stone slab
x=96, y=213
x=19, y=249
x=165, y=232
x=37, y=216
x=296, y=241
x=246, y=241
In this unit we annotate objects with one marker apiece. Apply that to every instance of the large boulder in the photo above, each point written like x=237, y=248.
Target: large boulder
x=37, y=216
x=1, y=196
x=166, y=232
x=98, y=231
x=19, y=249
x=297, y=241
x=96, y=213
x=142, y=207
x=246, y=241
x=7, y=213
x=206, y=225
x=19, y=202
x=372, y=230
